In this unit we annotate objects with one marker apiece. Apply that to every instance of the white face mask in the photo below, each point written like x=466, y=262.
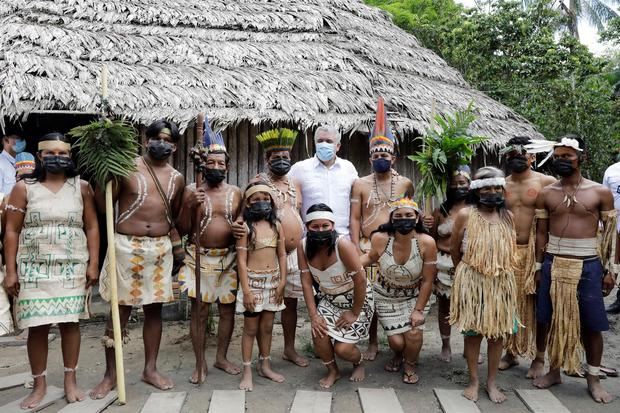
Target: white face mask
x=325, y=151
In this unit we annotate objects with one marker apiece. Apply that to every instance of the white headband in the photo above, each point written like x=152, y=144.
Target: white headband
x=541, y=145
x=320, y=215
x=482, y=183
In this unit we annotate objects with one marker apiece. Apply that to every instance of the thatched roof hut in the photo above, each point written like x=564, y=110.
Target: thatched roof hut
x=300, y=62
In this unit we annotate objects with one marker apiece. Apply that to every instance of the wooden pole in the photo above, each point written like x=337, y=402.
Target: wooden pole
x=116, y=319
x=428, y=207
x=197, y=304
x=109, y=218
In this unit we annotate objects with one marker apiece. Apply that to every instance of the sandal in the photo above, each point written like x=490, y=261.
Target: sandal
x=393, y=366
x=410, y=377
x=609, y=371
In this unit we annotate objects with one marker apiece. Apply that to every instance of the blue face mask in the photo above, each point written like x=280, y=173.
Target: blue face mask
x=325, y=151
x=20, y=146
x=381, y=165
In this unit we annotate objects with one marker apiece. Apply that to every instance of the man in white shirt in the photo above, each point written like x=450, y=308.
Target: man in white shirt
x=326, y=178
x=12, y=144
x=611, y=180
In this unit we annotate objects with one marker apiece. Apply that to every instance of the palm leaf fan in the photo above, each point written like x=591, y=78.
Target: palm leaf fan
x=107, y=149
x=443, y=150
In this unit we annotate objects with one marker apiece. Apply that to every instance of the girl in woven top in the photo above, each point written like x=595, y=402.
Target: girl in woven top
x=483, y=301
x=261, y=265
x=52, y=254
x=407, y=258
x=345, y=307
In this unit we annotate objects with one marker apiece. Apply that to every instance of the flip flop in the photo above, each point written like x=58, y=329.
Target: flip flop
x=609, y=371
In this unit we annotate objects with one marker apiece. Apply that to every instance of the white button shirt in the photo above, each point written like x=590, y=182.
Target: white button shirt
x=331, y=186
x=611, y=180
x=7, y=173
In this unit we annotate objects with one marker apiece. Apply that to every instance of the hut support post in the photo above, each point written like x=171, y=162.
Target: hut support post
x=116, y=319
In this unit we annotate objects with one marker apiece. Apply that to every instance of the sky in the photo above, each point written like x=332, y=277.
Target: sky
x=587, y=33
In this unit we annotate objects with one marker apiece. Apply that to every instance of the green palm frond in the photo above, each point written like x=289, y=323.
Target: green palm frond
x=107, y=149
x=443, y=149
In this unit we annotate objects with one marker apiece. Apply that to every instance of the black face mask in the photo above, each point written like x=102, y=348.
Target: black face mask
x=517, y=164
x=457, y=194
x=280, y=167
x=321, y=237
x=57, y=164
x=260, y=209
x=404, y=226
x=492, y=200
x=160, y=149
x=563, y=167
x=214, y=176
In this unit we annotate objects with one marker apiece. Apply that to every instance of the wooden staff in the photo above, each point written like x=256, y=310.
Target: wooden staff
x=428, y=208
x=109, y=217
x=196, y=308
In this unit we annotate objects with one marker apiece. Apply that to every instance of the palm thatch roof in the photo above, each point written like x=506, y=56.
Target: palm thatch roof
x=305, y=62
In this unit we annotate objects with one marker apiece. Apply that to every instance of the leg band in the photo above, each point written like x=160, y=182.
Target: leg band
x=329, y=362
x=36, y=376
x=70, y=370
x=540, y=355
x=593, y=371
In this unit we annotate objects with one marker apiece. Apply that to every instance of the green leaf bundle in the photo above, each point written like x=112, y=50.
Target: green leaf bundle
x=107, y=149
x=443, y=150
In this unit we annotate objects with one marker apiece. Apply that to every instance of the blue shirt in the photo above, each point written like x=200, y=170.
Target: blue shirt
x=7, y=173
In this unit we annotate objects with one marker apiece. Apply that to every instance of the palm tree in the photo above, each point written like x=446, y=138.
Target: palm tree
x=596, y=12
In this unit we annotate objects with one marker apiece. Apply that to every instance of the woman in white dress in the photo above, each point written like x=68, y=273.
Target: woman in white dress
x=51, y=250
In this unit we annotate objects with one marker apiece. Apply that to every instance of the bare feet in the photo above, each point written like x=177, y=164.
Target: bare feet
x=155, y=378
x=227, y=366
x=471, y=391
x=72, y=392
x=394, y=364
x=359, y=372
x=103, y=388
x=37, y=395
x=263, y=368
x=495, y=394
x=194, y=377
x=536, y=370
x=597, y=391
x=548, y=380
x=371, y=352
x=333, y=375
x=246, y=379
x=293, y=357
x=446, y=353
x=409, y=374
x=508, y=361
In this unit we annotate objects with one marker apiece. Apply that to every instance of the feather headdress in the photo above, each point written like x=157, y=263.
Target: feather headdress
x=541, y=146
x=212, y=141
x=381, y=138
x=280, y=139
x=404, y=203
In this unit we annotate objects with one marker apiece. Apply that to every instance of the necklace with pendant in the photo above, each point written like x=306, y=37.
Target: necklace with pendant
x=571, y=199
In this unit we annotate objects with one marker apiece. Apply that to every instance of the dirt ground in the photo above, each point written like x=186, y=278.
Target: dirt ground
x=177, y=360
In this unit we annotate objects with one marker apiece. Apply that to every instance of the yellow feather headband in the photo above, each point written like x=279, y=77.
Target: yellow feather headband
x=404, y=203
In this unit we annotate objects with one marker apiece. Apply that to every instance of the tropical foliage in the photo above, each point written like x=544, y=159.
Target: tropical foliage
x=445, y=147
x=107, y=149
x=522, y=57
